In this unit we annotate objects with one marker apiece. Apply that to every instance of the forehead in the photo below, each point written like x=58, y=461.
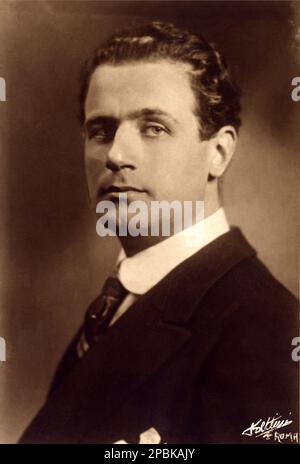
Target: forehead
x=117, y=89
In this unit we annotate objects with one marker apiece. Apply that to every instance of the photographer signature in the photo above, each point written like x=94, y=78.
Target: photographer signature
x=266, y=428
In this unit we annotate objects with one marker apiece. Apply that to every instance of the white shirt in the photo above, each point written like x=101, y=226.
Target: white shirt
x=140, y=272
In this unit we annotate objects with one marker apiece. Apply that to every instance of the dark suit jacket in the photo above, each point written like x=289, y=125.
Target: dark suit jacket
x=201, y=356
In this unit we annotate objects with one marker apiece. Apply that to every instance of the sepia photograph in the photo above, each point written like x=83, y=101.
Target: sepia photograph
x=149, y=189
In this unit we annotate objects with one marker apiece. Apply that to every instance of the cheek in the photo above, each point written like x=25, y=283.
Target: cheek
x=186, y=173
x=196, y=162
x=187, y=161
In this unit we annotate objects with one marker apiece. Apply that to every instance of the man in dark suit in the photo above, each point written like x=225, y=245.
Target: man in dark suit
x=190, y=340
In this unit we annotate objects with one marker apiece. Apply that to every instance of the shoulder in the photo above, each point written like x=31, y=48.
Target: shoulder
x=257, y=320
x=257, y=334
x=256, y=290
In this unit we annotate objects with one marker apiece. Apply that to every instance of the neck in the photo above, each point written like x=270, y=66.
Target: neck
x=133, y=245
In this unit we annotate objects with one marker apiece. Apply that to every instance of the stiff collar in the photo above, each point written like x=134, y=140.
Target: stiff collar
x=140, y=272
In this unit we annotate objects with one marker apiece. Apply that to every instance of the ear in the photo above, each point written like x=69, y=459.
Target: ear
x=223, y=146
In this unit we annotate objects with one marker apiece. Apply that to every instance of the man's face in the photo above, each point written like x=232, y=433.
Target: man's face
x=142, y=136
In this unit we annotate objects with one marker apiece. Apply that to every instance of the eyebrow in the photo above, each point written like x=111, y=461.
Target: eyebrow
x=150, y=112
x=94, y=120
x=142, y=113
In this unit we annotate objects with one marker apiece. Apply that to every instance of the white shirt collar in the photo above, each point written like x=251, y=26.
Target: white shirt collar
x=145, y=269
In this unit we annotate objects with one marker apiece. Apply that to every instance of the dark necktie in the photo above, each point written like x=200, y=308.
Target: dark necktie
x=100, y=313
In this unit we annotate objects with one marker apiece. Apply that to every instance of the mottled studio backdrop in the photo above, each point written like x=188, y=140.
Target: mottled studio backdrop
x=52, y=262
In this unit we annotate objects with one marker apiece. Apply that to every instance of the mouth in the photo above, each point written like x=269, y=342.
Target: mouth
x=119, y=189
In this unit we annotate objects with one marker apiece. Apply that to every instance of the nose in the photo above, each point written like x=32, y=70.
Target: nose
x=121, y=152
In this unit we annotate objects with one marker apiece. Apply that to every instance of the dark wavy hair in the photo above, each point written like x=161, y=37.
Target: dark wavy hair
x=217, y=96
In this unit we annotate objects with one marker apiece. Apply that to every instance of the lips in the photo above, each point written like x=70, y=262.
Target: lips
x=119, y=189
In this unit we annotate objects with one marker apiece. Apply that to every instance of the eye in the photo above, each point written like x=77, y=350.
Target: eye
x=101, y=134
x=154, y=130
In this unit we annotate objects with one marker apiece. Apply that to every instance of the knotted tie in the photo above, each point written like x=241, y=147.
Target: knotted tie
x=100, y=313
